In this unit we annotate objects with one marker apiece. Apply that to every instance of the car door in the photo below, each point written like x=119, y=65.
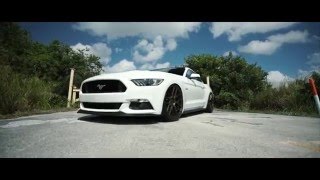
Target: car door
x=199, y=88
x=190, y=90
x=194, y=91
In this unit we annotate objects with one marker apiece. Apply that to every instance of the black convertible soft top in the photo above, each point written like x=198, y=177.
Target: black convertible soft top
x=178, y=71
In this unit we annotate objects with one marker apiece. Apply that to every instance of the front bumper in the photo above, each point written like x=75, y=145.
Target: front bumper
x=153, y=94
x=113, y=113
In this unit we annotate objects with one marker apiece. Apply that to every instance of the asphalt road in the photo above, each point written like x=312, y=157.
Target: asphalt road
x=218, y=134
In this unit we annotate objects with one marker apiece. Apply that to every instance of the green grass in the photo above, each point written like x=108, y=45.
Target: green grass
x=22, y=95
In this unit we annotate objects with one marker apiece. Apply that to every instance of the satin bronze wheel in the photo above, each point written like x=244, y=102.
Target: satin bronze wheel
x=172, y=104
x=209, y=107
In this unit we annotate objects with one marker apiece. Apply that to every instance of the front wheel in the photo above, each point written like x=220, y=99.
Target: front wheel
x=209, y=107
x=172, y=104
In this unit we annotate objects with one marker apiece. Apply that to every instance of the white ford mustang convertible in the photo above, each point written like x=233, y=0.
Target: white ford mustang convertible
x=169, y=92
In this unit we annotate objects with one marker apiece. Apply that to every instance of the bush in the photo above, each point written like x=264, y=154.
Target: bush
x=19, y=93
x=227, y=100
x=26, y=83
x=270, y=99
x=58, y=101
x=294, y=98
x=233, y=80
x=238, y=85
x=10, y=94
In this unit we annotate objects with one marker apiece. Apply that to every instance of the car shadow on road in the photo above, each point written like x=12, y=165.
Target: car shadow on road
x=130, y=120
x=120, y=120
x=191, y=114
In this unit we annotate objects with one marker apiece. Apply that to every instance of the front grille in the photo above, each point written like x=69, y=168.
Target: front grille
x=101, y=105
x=103, y=86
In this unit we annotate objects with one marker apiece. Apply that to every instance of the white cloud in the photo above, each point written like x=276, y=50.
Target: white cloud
x=171, y=44
x=115, y=30
x=276, y=78
x=290, y=37
x=316, y=37
x=145, y=51
x=314, y=59
x=274, y=42
x=314, y=62
x=163, y=65
x=117, y=50
x=303, y=73
x=260, y=47
x=99, y=49
x=123, y=65
x=235, y=30
x=232, y=52
x=156, y=66
x=156, y=37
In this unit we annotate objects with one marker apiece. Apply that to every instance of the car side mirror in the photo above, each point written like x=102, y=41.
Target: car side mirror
x=194, y=75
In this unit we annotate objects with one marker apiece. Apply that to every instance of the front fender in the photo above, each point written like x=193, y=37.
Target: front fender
x=167, y=84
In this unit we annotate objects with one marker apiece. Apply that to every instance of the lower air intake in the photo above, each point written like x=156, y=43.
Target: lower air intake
x=101, y=105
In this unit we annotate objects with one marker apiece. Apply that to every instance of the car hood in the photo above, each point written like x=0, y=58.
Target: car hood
x=133, y=75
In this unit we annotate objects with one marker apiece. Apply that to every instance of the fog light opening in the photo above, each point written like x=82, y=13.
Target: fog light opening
x=140, y=105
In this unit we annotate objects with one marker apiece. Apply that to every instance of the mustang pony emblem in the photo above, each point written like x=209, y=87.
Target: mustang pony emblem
x=100, y=86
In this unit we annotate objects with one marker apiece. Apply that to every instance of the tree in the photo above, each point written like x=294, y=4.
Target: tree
x=233, y=81
x=50, y=63
x=59, y=58
x=14, y=44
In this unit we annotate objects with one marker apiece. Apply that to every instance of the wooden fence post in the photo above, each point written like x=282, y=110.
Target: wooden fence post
x=70, y=87
x=74, y=94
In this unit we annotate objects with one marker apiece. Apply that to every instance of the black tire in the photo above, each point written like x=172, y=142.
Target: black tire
x=209, y=107
x=172, y=104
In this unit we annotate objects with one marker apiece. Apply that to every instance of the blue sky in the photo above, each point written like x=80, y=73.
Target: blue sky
x=284, y=49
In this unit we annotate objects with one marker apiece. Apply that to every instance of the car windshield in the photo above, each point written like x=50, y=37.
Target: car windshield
x=178, y=71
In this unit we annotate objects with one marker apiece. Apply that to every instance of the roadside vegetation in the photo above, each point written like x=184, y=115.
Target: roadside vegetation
x=240, y=86
x=34, y=78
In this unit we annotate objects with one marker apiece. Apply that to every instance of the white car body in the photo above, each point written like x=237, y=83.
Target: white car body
x=195, y=93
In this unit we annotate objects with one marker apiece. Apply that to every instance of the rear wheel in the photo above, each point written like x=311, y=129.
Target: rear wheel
x=172, y=104
x=209, y=107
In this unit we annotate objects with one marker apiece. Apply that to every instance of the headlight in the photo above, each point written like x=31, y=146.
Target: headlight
x=147, y=82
